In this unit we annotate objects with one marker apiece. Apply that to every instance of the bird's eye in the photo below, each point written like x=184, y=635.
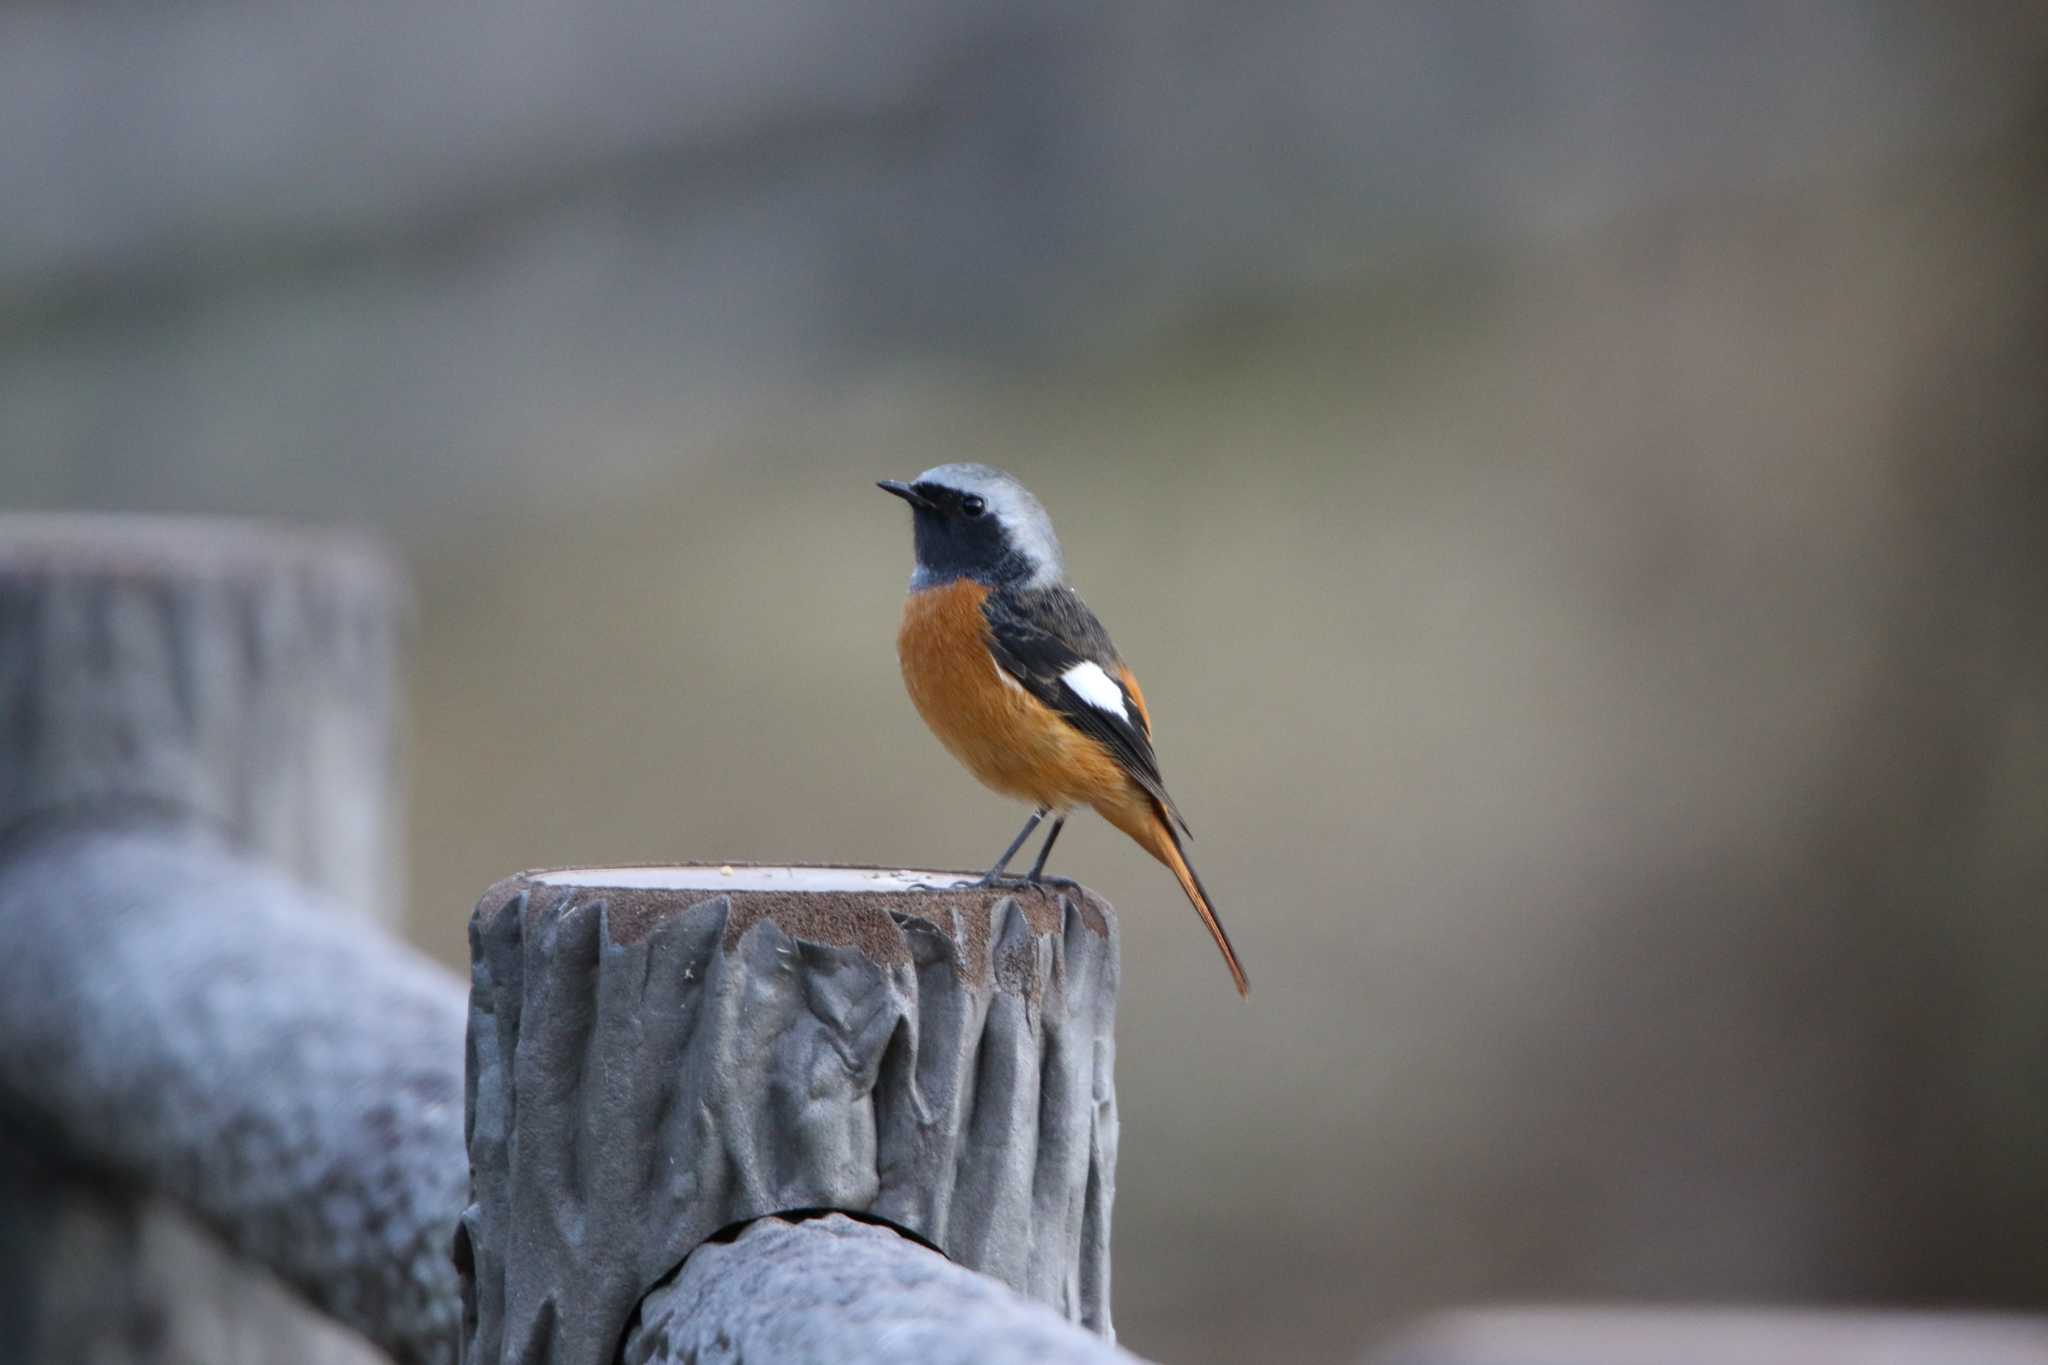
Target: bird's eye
x=972, y=505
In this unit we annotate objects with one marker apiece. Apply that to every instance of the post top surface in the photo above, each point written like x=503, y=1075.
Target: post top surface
x=827, y=903
x=717, y=877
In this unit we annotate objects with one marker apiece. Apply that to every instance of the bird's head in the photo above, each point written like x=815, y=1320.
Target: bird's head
x=978, y=523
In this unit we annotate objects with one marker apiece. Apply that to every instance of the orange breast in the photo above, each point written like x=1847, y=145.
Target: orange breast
x=1006, y=737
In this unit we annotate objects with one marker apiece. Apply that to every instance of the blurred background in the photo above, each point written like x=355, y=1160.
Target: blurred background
x=1573, y=478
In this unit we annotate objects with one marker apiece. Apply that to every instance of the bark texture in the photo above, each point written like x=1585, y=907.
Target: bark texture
x=649, y=1065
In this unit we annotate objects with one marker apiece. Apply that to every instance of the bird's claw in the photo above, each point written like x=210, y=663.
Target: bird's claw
x=990, y=882
x=984, y=882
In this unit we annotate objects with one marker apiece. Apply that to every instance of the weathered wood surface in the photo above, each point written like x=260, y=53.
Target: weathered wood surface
x=658, y=1054
x=221, y=675
x=187, y=1036
x=833, y=1291
x=192, y=1024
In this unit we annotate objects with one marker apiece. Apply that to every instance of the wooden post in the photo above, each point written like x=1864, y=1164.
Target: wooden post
x=214, y=1067
x=658, y=1055
x=217, y=675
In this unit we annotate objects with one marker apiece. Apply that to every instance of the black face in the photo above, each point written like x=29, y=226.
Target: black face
x=958, y=536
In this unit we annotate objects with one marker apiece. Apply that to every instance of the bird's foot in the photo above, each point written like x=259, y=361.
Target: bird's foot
x=1061, y=883
x=987, y=881
x=990, y=881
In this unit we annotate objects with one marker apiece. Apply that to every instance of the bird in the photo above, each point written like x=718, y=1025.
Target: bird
x=1020, y=682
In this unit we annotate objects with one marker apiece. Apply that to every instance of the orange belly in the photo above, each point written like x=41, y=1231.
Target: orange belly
x=1013, y=742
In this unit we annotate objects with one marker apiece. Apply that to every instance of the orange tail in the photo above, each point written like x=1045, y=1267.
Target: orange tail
x=1154, y=833
x=1198, y=896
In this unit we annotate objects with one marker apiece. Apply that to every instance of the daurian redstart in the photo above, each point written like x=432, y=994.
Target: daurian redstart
x=1020, y=682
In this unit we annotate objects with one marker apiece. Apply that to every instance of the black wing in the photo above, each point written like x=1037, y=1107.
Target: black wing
x=1036, y=636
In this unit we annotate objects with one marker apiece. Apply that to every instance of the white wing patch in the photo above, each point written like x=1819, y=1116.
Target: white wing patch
x=1087, y=681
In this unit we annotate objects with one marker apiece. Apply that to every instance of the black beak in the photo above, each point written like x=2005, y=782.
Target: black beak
x=903, y=491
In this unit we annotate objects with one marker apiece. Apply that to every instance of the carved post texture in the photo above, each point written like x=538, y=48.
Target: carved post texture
x=224, y=1091
x=658, y=1055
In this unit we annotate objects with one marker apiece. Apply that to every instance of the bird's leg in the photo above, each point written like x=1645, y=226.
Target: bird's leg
x=994, y=876
x=1037, y=872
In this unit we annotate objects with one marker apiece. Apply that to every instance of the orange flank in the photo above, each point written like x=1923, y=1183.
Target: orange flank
x=1013, y=742
x=1018, y=746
